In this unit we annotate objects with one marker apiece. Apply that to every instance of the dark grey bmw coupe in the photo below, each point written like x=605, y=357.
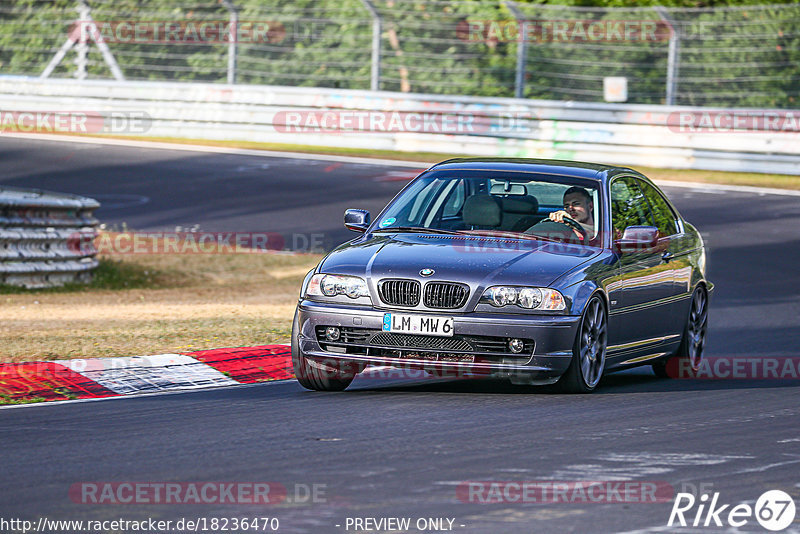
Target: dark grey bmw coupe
x=537, y=271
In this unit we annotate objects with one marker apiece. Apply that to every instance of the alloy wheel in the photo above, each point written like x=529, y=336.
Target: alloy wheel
x=698, y=324
x=594, y=333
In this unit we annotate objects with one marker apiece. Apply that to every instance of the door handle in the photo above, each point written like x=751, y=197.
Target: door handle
x=667, y=256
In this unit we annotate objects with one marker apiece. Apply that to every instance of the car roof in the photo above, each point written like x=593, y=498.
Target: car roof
x=577, y=169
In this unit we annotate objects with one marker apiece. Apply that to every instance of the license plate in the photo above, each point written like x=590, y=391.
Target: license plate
x=418, y=324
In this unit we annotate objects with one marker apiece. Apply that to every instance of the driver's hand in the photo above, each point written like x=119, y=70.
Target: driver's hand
x=558, y=216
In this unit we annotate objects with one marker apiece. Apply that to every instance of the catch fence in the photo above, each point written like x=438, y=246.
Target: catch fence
x=740, y=56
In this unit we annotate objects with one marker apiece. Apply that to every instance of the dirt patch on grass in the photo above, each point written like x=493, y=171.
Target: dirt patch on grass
x=157, y=303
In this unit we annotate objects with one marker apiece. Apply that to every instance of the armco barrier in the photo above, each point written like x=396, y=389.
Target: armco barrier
x=643, y=135
x=46, y=239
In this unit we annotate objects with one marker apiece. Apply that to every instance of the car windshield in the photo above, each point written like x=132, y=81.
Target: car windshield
x=513, y=206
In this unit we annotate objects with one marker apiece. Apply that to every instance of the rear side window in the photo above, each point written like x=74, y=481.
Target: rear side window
x=663, y=216
x=628, y=206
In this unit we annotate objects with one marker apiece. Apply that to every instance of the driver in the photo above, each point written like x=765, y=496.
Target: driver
x=578, y=206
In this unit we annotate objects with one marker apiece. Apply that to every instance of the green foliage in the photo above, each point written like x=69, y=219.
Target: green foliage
x=8, y=399
x=728, y=57
x=109, y=274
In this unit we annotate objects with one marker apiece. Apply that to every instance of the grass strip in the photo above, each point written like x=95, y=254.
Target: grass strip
x=156, y=303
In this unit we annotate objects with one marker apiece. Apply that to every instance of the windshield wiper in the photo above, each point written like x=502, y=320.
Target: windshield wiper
x=500, y=233
x=416, y=229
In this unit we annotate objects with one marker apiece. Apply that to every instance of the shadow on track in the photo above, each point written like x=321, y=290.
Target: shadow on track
x=627, y=382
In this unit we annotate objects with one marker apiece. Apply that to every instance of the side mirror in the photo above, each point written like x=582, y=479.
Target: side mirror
x=356, y=220
x=638, y=239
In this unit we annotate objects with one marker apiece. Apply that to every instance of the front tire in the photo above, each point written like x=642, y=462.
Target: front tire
x=313, y=375
x=589, y=350
x=693, y=340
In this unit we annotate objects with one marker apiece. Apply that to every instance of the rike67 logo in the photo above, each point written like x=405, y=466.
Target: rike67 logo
x=774, y=510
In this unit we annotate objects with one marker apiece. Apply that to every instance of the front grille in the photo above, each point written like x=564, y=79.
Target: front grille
x=399, y=292
x=386, y=339
x=364, y=340
x=445, y=295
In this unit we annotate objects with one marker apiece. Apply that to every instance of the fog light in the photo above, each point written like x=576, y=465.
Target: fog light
x=516, y=345
x=332, y=333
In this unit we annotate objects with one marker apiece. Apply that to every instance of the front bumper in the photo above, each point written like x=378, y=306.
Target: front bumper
x=546, y=359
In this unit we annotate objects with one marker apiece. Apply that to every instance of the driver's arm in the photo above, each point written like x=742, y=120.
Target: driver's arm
x=558, y=216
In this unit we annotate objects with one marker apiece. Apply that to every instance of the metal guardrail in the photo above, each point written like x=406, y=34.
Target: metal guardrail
x=46, y=239
x=629, y=134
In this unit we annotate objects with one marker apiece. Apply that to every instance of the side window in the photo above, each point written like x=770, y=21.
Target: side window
x=663, y=216
x=628, y=206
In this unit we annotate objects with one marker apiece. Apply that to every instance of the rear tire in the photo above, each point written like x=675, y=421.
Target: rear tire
x=692, y=342
x=313, y=375
x=589, y=350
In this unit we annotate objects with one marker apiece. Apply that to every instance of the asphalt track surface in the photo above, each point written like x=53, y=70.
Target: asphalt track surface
x=392, y=447
x=303, y=201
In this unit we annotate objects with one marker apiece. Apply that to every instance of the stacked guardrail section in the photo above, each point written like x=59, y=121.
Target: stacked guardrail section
x=46, y=239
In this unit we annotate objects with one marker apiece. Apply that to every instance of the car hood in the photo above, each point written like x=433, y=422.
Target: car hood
x=475, y=260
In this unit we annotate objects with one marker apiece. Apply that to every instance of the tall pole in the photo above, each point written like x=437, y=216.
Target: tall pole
x=233, y=41
x=672, y=55
x=522, y=50
x=82, y=49
x=375, y=75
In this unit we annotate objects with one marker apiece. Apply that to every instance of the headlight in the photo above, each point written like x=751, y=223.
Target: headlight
x=530, y=298
x=331, y=285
